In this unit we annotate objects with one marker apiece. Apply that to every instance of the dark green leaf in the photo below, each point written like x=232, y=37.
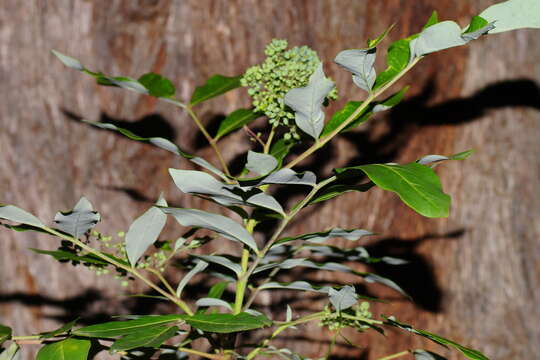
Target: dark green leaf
x=417, y=185
x=214, y=86
x=61, y=330
x=280, y=149
x=318, y=237
x=151, y=337
x=469, y=353
x=227, y=323
x=79, y=220
x=390, y=101
x=119, y=328
x=5, y=333
x=63, y=255
x=217, y=290
x=343, y=114
x=68, y=349
x=397, y=59
x=157, y=85
x=332, y=191
x=236, y=120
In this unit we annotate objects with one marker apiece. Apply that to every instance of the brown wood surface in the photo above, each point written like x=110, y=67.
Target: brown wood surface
x=474, y=275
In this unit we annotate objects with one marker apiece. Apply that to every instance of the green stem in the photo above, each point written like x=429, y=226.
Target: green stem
x=310, y=317
x=331, y=346
x=26, y=337
x=162, y=279
x=241, y=284
x=269, y=141
x=202, y=354
x=283, y=225
x=119, y=265
x=393, y=356
x=322, y=141
x=209, y=138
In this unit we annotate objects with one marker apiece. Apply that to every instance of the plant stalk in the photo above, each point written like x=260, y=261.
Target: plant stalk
x=393, y=356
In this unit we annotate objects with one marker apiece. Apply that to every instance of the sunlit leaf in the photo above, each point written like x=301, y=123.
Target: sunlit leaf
x=512, y=15
x=68, y=349
x=11, y=353
x=307, y=103
x=13, y=213
x=360, y=62
x=223, y=261
x=420, y=354
x=213, y=302
x=79, y=220
x=199, y=267
x=397, y=59
x=260, y=163
x=344, y=298
x=224, y=226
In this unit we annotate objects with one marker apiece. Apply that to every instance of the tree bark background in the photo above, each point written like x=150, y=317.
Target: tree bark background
x=475, y=275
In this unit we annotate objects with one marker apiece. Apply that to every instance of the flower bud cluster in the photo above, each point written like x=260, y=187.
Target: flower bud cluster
x=335, y=321
x=282, y=71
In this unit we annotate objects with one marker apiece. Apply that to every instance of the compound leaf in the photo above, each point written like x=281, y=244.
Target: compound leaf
x=68, y=349
x=214, y=86
x=79, y=220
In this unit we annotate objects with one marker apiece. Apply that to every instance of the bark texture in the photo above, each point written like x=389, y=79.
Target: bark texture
x=474, y=276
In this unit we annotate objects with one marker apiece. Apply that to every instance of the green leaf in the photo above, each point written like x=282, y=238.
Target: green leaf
x=163, y=144
x=390, y=101
x=119, y=328
x=280, y=149
x=332, y=191
x=477, y=22
x=13, y=213
x=318, y=237
x=61, y=330
x=469, y=353
x=63, y=255
x=307, y=102
x=11, y=353
x=225, y=226
x=343, y=114
x=68, y=61
x=433, y=159
x=344, y=298
x=207, y=302
x=433, y=19
x=360, y=62
x=417, y=186
x=512, y=15
x=260, y=163
x=227, y=323
x=202, y=184
x=215, y=86
x=397, y=59
x=378, y=39
x=68, y=349
x=152, y=337
x=157, y=85
x=236, y=120
x=143, y=232
x=217, y=290
x=223, y=261
x=5, y=333
x=420, y=354
x=199, y=267
x=79, y=220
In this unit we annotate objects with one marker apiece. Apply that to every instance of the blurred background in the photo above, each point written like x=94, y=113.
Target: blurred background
x=474, y=276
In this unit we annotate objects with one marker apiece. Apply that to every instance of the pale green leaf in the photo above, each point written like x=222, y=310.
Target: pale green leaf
x=143, y=232
x=11, y=353
x=307, y=103
x=228, y=228
x=223, y=261
x=68, y=61
x=512, y=15
x=420, y=354
x=199, y=267
x=13, y=213
x=322, y=236
x=68, y=349
x=260, y=163
x=79, y=220
x=360, y=62
x=344, y=298
x=208, y=301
